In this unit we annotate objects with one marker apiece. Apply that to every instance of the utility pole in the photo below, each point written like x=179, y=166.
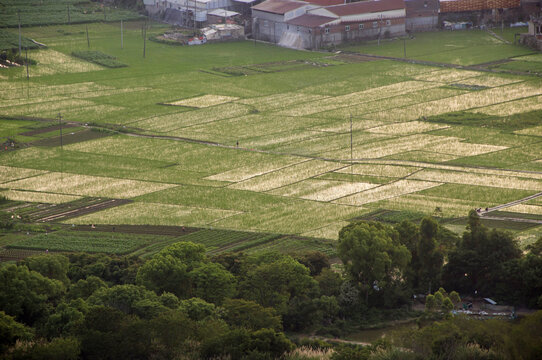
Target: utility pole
x=404, y=48
x=19, y=17
x=69, y=20
x=60, y=124
x=121, y=36
x=351, y=151
x=26, y=62
x=88, y=39
x=195, y=7
x=144, y=39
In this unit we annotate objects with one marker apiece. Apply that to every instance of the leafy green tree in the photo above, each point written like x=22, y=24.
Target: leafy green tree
x=27, y=295
x=430, y=302
x=130, y=299
x=66, y=320
x=51, y=266
x=83, y=288
x=315, y=261
x=213, y=283
x=273, y=283
x=372, y=254
x=66, y=348
x=12, y=331
x=199, y=309
x=329, y=282
x=250, y=315
x=166, y=273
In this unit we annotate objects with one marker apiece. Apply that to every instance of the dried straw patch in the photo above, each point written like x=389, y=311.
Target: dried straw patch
x=330, y=231
x=490, y=81
x=387, y=191
x=280, y=101
x=87, y=185
x=416, y=202
x=287, y=175
x=533, y=131
x=393, y=171
x=459, y=148
x=322, y=190
x=203, y=101
x=469, y=178
x=525, y=209
x=406, y=128
x=447, y=75
x=140, y=213
x=513, y=107
x=9, y=173
x=53, y=62
x=253, y=170
x=38, y=197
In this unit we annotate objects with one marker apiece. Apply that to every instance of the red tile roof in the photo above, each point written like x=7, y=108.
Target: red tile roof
x=279, y=6
x=366, y=7
x=310, y=20
x=326, y=2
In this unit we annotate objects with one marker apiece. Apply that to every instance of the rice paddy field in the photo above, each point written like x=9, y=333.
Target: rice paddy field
x=281, y=156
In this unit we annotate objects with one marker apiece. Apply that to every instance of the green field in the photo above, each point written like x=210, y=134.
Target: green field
x=256, y=138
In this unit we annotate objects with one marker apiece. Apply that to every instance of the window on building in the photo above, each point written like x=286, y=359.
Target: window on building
x=361, y=26
x=327, y=30
x=388, y=22
x=347, y=28
x=375, y=24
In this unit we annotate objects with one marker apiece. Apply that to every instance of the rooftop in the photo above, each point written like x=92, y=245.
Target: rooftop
x=279, y=6
x=363, y=7
x=310, y=20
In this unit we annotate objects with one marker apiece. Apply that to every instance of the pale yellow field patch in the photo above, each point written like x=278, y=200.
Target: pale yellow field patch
x=9, y=173
x=48, y=106
x=459, y=148
x=87, y=185
x=421, y=203
x=406, y=128
x=469, y=178
x=53, y=62
x=139, y=213
x=387, y=191
x=287, y=175
x=38, y=197
x=253, y=170
x=394, y=171
x=322, y=190
x=512, y=107
x=525, y=209
x=490, y=80
x=330, y=231
x=447, y=75
x=462, y=102
x=280, y=101
x=533, y=131
x=204, y=101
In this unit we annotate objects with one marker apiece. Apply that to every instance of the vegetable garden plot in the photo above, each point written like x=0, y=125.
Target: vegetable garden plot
x=387, y=191
x=203, y=101
x=287, y=175
x=321, y=190
x=86, y=185
x=9, y=173
x=139, y=213
x=39, y=197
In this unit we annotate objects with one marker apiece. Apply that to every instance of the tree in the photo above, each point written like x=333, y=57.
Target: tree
x=27, y=295
x=83, y=288
x=329, y=282
x=130, y=299
x=166, y=273
x=51, y=266
x=250, y=315
x=213, y=283
x=315, y=261
x=198, y=309
x=372, y=254
x=11, y=331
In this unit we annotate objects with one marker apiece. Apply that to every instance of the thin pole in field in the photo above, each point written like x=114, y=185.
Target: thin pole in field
x=121, y=36
x=88, y=39
x=144, y=40
x=195, y=17
x=61, y=148
x=351, y=152
x=404, y=48
x=69, y=19
x=26, y=62
x=19, y=17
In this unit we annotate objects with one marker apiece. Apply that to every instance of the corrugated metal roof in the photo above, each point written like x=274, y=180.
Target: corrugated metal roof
x=222, y=12
x=364, y=7
x=310, y=20
x=326, y=2
x=279, y=6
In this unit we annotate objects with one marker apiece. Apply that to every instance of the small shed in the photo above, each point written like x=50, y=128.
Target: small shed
x=222, y=16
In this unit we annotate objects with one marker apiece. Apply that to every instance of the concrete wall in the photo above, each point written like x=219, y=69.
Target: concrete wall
x=267, y=26
x=425, y=23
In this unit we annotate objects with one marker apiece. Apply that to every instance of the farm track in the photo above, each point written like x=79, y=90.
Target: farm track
x=483, y=213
